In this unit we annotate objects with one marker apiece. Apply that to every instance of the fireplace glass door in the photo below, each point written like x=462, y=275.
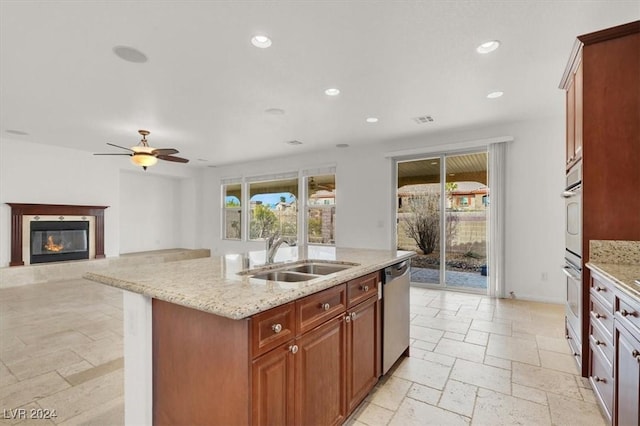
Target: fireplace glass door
x=55, y=241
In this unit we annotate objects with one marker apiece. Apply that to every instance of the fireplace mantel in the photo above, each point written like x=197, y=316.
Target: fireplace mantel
x=19, y=210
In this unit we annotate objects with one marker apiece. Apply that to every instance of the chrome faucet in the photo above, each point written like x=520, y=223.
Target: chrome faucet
x=273, y=243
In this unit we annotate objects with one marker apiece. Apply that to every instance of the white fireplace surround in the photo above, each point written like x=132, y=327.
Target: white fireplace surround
x=26, y=231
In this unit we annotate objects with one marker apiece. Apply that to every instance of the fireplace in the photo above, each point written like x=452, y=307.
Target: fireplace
x=52, y=241
x=55, y=232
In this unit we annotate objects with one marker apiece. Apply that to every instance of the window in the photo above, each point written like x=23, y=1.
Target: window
x=232, y=211
x=273, y=208
x=254, y=208
x=321, y=209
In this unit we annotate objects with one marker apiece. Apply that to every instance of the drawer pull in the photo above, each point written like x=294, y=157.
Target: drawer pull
x=347, y=318
x=353, y=316
x=325, y=306
x=598, y=288
x=636, y=354
x=598, y=343
x=597, y=315
x=624, y=312
x=364, y=288
x=277, y=328
x=576, y=354
x=598, y=379
x=293, y=349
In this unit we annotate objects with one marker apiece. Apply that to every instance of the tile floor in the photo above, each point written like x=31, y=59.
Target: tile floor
x=473, y=360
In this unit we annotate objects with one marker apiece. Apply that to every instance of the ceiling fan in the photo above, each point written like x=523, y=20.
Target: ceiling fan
x=145, y=155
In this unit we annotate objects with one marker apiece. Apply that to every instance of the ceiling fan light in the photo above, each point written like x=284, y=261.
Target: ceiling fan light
x=143, y=159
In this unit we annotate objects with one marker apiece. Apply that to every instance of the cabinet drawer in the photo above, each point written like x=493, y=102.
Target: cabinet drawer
x=601, y=382
x=601, y=342
x=602, y=289
x=313, y=310
x=272, y=328
x=363, y=288
x=601, y=315
x=629, y=314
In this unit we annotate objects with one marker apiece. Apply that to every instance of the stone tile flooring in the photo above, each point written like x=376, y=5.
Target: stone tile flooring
x=473, y=360
x=482, y=361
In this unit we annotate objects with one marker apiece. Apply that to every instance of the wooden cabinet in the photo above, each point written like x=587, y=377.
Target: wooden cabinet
x=329, y=366
x=320, y=375
x=273, y=386
x=627, y=360
x=574, y=114
x=363, y=351
x=601, y=81
x=601, y=342
x=307, y=362
x=614, y=355
x=628, y=378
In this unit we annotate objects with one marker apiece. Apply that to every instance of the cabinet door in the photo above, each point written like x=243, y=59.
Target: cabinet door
x=320, y=372
x=273, y=387
x=571, y=122
x=577, y=140
x=627, y=378
x=362, y=350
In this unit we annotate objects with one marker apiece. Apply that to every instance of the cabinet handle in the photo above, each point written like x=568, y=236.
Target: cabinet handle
x=636, y=354
x=598, y=288
x=353, y=316
x=293, y=349
x=364, y=288
x=597, y=315
x=567, y=337
x=325, y=306
x=598, y=343
x=347, y=318
x=624, y=312
x=598, y=379
x=277, y=328
x=576, y=354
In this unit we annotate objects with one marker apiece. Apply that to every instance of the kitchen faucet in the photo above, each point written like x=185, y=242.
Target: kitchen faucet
x=273, y=243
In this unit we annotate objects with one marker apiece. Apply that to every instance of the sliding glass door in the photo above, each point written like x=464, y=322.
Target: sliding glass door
x=443, y=205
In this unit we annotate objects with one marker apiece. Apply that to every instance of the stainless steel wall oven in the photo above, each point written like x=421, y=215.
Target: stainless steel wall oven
x=573, y=259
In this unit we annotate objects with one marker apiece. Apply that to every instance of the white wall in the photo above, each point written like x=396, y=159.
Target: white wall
x=43, y=174
x=365, y=197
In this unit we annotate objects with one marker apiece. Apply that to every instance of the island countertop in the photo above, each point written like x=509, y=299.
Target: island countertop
x=223, y=285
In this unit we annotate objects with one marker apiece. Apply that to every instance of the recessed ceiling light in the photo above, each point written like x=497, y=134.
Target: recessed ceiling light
x=293, y=142
x=494, y=95
x=130, y=54
x=332, y=91
x=372, y=120
x=17, y=132
x=274, y=111
x=261, y=41
x=342, y=145
x=488, y=47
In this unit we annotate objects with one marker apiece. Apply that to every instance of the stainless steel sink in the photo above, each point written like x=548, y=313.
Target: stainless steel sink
x=317, y=268
x=303, y=271
x=284, y=276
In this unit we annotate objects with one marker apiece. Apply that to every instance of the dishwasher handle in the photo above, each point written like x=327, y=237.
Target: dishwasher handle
x=394, y=271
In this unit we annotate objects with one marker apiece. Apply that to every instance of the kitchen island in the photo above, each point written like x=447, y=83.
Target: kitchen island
x=208, y=343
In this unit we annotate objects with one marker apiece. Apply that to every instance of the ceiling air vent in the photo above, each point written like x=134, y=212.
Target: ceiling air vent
x=423, y=119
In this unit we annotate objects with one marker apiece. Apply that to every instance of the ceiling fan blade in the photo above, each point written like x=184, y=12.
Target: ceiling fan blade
x=172, y=158
x=118, y=146
x=164, y=151
x=128, y=155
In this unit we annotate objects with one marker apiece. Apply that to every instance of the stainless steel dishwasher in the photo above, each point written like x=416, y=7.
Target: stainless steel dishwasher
x=395, y=313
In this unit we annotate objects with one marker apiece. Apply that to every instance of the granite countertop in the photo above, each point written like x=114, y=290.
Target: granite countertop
x=221, y=285
x=618, y=261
